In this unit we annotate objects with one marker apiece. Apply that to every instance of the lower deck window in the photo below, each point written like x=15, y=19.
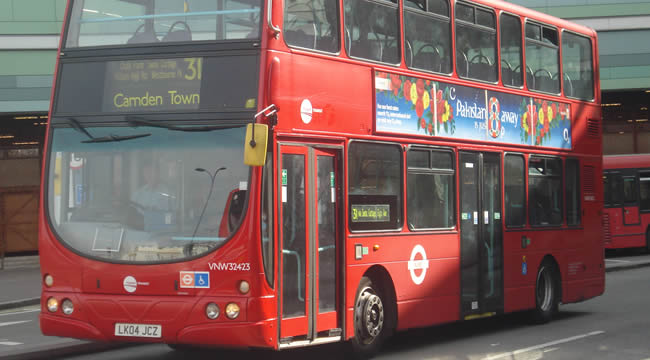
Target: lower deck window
x=545, y=191
x=375, y=186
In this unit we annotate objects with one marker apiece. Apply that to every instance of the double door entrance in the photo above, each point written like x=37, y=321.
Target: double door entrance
x=309, y=242
x=481, y=242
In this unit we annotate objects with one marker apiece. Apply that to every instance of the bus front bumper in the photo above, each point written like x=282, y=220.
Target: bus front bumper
x=181, y=321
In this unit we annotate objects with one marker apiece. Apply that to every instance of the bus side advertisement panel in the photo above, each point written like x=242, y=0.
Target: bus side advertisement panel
x=408, y=105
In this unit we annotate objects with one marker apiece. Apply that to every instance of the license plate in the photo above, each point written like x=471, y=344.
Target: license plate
x=138, y=330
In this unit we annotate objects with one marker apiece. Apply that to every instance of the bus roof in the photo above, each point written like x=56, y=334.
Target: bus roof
x=537, y=16
x=631, y=161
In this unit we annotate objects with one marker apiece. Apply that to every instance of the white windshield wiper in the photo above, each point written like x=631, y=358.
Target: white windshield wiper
x=136, y=121
x=75, y=124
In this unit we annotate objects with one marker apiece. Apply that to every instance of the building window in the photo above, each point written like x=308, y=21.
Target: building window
x=515, y=190
x=430, y=189
x=375, y=186
x=545, y=191
x=427, y=32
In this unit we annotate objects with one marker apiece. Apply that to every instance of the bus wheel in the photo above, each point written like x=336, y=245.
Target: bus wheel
x=647, y=241
x=370, y=326
x=546, y=293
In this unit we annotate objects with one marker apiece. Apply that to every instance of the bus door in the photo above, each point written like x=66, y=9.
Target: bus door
x=309, y=239
x=630, y=201
x=481, y=240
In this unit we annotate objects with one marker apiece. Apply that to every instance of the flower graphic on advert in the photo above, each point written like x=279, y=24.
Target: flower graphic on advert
x=419, y=108
x=563, y=110
x=395, y=83
x=423, y=123
x=532, y=116
x=419, y=85
x=448, y=112
x=426, y=99
x=414, y=94
x=407, y=90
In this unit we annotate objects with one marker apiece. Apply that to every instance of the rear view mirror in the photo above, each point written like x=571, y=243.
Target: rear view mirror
x=257, y=137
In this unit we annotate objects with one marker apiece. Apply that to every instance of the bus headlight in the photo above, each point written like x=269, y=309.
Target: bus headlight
x=52, y=304
x=244, y=287
x=67, y=307
x=232, y=311
x=49, y=280
x=212, y=311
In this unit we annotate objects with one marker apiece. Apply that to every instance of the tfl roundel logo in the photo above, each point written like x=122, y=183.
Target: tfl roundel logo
x=130, y=284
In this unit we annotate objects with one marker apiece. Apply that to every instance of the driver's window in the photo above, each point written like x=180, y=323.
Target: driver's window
x=476, y=43
x=542, y=58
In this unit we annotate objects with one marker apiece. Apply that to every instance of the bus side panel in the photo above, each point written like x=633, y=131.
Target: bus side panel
x=302, y=78
x=424, y=296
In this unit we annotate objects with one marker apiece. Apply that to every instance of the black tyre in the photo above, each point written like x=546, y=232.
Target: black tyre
x=183, y=348
x=647, y=241
x=371, y=322
x=547, y=293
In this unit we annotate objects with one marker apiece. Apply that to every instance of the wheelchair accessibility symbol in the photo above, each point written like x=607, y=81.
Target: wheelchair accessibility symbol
x=202, y=279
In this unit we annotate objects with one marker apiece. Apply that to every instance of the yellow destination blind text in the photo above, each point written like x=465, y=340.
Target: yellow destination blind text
x=173, y=97
x=153, y=84
x=370, y=213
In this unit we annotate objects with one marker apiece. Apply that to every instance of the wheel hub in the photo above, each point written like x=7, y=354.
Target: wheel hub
x=373, y=315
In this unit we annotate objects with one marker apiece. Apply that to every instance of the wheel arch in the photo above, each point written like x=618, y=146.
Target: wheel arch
x=548, y=258
x=379, y=275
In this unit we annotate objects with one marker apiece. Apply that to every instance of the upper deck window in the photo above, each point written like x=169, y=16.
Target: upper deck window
x=372, y=30
x=542, y=58
x=511, y=51
x=120, y=22
x=312, y=24
x=577, y=66
x=476, y=43
x=427, y=33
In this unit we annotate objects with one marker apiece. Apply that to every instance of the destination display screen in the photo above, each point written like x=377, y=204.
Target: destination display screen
x=226, y=83
x=370, y=213
x=153, y=84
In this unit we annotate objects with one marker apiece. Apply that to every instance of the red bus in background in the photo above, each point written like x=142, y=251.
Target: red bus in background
x=627, y=201
x=242, y=173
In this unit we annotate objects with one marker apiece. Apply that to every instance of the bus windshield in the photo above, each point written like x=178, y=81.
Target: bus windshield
x=118, y=22
x=146, y=193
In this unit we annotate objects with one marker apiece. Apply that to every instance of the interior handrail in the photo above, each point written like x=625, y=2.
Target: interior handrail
x=170, y=15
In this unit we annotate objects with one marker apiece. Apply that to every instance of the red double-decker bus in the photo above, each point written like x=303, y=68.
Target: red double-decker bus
x=626, y=217
x=281, y=174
